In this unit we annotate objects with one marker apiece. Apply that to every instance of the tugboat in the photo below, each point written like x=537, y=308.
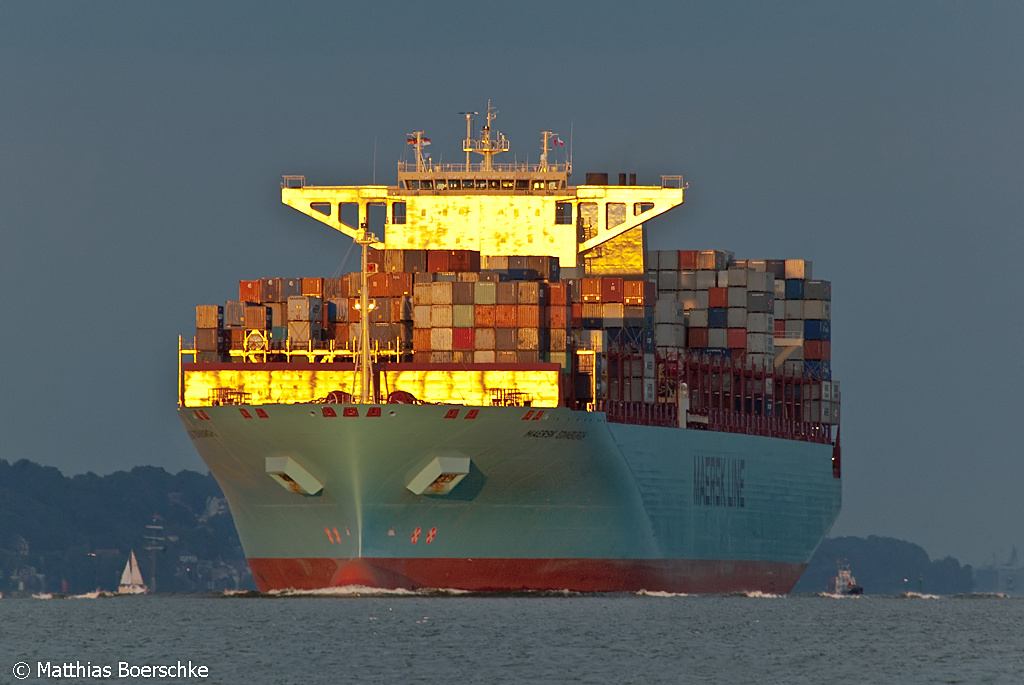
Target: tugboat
x=843, y=583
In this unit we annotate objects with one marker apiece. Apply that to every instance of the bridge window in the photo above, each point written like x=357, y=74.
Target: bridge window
x=481, y=184
x=412, y=185
x=493, y=184
x=615, y=214
x=506, y=184
x=641, y=207
x=398, y=212
x=522, y=184
x=563, y=213
x=440, y=184
x=427, y=185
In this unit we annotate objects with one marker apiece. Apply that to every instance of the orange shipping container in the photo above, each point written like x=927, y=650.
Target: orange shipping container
x=249, y=291
x=313, y=286
x=353, y=310
x=379, y=285
x=688, y=260
x=718, y=297
x=505, y=315
x=639, y=293
x=401, y=284
x=558, y=293
x=557, y=317
x=590, y=288
x=483, y=315
x=421, y=339
x=528, y=316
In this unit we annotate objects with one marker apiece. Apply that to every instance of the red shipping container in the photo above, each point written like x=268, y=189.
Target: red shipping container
x=697, y=337
x=590, y=288
x=401, y=284
x=816, y=350
x=421, y=357
x=687, y=260
x=577, y=315
x=483, y=315
x=528, y=315
x=635, y=293
x=505, y=315
x=438, y=261
x=558, y=293
x=353, y=310
x=718, y=297
x=464, y=260
x=462, y=338
x=780, y=327
x=250, y=291
x=313, y=286
x=611, y=290
x=737, y=338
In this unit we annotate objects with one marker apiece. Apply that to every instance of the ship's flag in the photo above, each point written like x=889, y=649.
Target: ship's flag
x=423, y=141
x=556, y=141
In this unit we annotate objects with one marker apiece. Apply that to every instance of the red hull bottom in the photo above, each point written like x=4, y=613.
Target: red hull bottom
x=693, y=576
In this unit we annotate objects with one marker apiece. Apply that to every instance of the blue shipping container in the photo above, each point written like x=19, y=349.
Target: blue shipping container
x=794, y=289
x=718, y=317
x=815, y=329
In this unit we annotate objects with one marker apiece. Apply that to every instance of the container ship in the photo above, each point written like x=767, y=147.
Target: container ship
x=514, y=394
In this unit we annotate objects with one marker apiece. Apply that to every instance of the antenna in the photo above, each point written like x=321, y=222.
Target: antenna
x=469, y=133
x=374, y=159
x=570, y=149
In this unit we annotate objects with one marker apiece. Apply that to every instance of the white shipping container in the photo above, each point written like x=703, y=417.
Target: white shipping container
x=421, y=316
x=703, y=299
x=760, y=362
x=737, y=296
x=836, y=399
x=440, y=339
x=798, y=268
x=736, y=317
x=650, y=396
x=760, y=282
x=687, y=280
x=441, y=317
x=705, y=279
x=487, y=356
x=826, y=390
x=719, y=337
x=665, y=335
x=794, y=309
x=779, y=288
x=668, y=280
x=756, y=265
x=698, y=318
x=688, y=298
x=760, y=323
x=738, y=277
x=817, y=309
x=792, y=367
x=422, y=293
x=722, y=278
x=441, y=293
x=668, y=311
x=668, y=260
x=758, y=342
x=794, y=329
x=649, y=366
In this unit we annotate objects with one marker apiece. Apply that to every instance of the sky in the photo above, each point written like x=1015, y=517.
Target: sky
x=142, y=146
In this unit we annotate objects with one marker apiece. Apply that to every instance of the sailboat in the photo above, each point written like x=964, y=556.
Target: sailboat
x=131, y=578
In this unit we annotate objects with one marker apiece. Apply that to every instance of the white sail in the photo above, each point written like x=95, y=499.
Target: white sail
x=131, y=578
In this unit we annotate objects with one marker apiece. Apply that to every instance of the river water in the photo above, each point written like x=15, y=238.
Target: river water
x=350, y=637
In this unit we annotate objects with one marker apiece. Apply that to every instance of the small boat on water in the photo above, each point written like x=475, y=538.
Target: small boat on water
x=843, y=583
x=131, y=579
